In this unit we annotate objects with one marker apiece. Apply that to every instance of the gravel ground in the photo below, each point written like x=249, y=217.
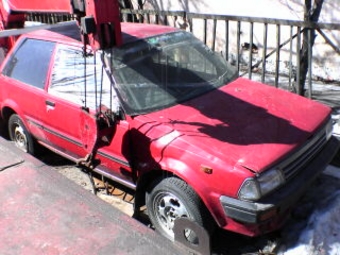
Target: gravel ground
x=113, y=195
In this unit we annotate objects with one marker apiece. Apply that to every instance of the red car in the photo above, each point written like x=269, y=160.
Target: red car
x=191, y=137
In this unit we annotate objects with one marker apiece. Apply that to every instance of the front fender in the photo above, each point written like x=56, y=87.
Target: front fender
x=199, y=180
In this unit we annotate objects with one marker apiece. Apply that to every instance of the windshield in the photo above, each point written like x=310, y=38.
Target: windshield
x=165, y=70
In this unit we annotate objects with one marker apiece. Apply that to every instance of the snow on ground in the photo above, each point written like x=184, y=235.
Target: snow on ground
x=320, y=233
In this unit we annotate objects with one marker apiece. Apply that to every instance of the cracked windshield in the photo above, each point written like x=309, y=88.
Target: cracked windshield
x=166, y=70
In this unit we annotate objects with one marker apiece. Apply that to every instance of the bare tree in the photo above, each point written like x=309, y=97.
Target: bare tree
x=311, y=14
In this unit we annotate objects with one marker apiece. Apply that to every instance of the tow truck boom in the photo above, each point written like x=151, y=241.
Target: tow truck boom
x=98, y=20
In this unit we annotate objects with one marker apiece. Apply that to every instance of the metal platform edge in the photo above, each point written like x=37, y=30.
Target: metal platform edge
x=43, y=212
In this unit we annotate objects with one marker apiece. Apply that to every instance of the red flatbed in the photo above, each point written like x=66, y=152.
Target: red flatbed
x=42, y=212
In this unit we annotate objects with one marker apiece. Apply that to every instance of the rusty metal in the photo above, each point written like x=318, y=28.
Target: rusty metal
x=183, y=225
x=111, y=189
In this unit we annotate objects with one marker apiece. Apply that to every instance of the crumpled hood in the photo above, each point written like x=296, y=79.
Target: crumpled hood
x=244, y=123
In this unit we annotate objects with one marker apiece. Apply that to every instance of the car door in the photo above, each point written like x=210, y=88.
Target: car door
x=24, y=78
x=78, y=87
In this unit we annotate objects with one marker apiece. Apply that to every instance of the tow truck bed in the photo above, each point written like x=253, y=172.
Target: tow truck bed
x=42, y=212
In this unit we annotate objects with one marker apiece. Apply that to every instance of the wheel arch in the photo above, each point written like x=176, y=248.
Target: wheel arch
x=168, y=167
x=145, y=182
x=10, y=107
x=186, y=174
x=7, y=112
x=150, y=179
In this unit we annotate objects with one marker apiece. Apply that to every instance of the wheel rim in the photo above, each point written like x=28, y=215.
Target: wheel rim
x=20, y=138
x=167, y=208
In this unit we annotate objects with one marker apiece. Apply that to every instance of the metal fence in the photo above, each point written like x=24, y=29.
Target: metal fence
x=49, y=18
x=263, y=49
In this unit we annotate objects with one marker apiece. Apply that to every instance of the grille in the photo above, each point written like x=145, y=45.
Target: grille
x=291, y=166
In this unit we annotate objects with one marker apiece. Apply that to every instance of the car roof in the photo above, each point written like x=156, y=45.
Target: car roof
x=135, y=31
x=69, y=31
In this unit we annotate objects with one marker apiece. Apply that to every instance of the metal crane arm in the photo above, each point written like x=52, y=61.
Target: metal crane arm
x=99, y=21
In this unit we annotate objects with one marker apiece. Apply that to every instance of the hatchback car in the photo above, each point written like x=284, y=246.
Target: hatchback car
x=182, y=129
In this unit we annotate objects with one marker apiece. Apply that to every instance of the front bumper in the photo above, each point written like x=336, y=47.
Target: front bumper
x=275, y=206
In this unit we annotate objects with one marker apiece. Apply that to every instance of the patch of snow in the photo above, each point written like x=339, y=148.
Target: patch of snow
x=320, y=233
x=334, y=172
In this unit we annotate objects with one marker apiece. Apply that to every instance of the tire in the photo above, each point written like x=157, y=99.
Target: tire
x=19, y=134
x=172, y=198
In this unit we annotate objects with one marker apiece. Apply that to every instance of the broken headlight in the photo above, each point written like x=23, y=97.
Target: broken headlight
x=254, y=188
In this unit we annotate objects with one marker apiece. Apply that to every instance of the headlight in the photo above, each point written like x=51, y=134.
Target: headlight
x=255, y=188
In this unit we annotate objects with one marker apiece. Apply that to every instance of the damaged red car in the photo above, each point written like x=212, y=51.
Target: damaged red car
x=191, y=138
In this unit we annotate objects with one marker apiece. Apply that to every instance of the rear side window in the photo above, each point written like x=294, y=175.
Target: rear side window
x=80, y=80
x=30, y=62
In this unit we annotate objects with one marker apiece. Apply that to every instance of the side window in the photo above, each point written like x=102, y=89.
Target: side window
x=30, y=62
x=83, y=83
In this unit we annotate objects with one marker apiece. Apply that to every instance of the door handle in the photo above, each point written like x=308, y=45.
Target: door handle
x=50, y=103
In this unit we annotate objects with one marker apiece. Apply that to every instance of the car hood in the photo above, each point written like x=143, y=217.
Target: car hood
x=244, y=123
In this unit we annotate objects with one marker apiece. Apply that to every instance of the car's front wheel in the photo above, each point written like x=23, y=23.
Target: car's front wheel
x=172, y=198
x=19, y=134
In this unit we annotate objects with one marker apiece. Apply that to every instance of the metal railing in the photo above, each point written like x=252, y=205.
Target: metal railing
x=274, y=58
x=50, y=18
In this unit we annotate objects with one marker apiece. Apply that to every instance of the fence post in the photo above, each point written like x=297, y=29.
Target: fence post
x=205, y=31
x=298, y=47
x=214, y=34
x=310, y=60
x=277, y=68
x=290, y=59
x=264, y=53
x=227, y=40
x=250, y=64
x=238, y=45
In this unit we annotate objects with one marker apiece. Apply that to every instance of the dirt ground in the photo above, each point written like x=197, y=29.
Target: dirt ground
x=122, y=200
